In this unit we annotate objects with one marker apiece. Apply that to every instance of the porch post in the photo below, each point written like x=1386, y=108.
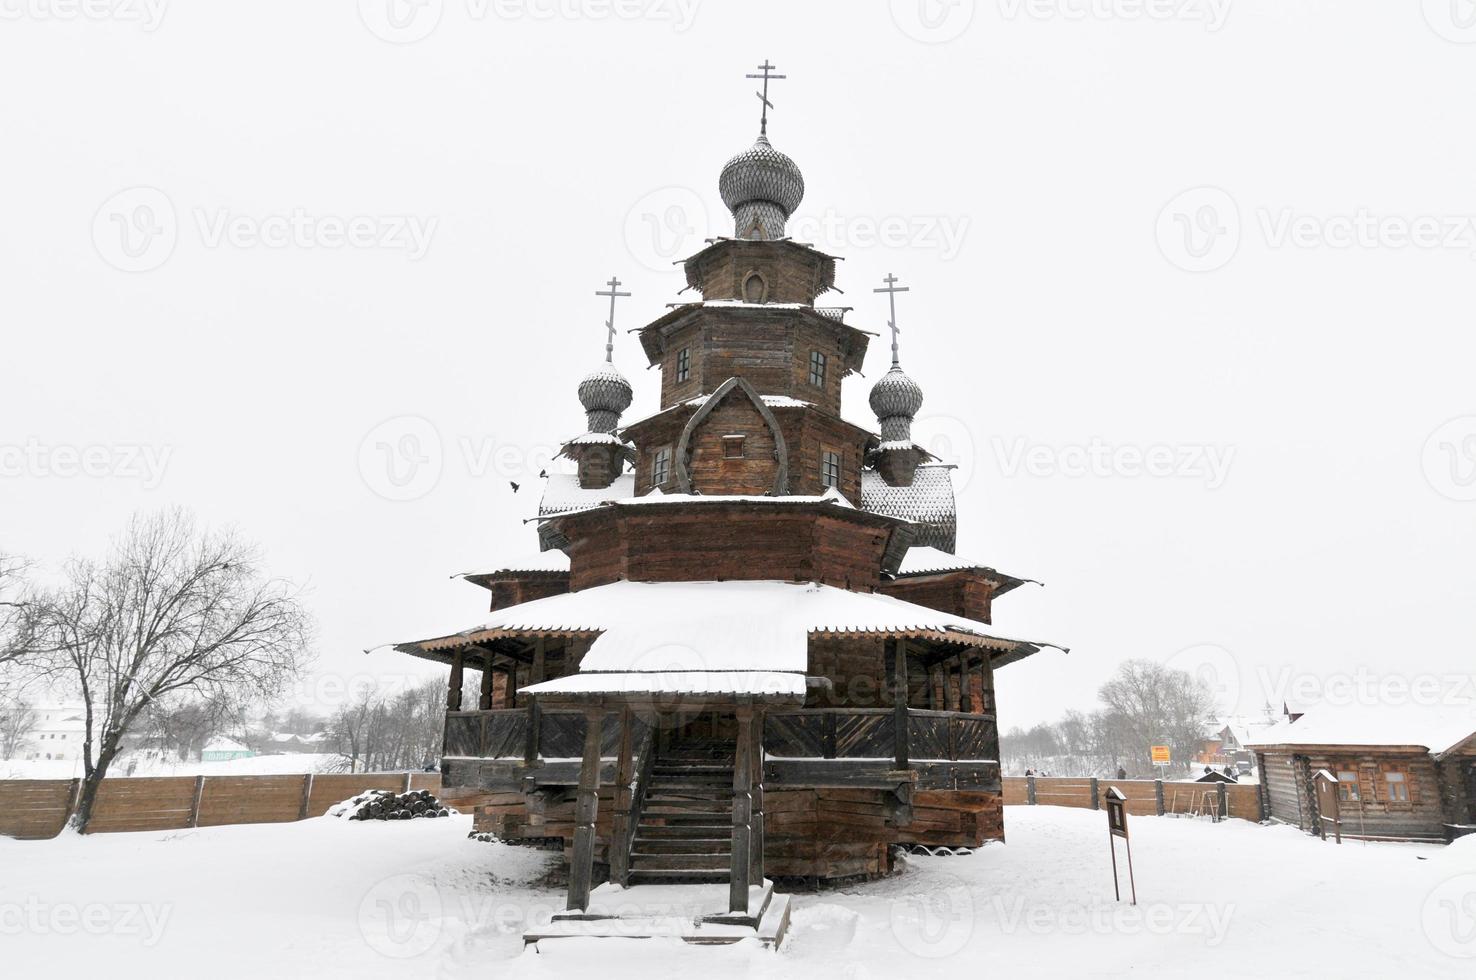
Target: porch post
x=756, y=837
x=535, y=713
x=586, y=809
x=484, y=703
x=620, y=825
x=453, y=690
x=738, y=870
x=898, y=650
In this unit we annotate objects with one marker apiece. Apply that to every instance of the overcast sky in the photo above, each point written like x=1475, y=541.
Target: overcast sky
x=1190, y=293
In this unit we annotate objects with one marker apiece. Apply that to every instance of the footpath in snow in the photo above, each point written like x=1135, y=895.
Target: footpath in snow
x=329, y=898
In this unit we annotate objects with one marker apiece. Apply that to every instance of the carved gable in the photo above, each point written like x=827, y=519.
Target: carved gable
x=733, y=445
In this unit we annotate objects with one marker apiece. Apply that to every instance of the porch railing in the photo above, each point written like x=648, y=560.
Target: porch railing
x=527, y=733
x=871, y=733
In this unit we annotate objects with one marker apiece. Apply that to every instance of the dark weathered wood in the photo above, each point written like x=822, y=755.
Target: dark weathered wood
x=581, y=869
x=898, y=651
x=756, y=851
x=623, y=818
x=743, y=779
x=535, y=711
x=484, y=702
x=453, y=689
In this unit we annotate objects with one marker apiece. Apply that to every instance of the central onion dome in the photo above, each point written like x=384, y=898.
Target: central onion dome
x=605, y=394
x=896, y=399
x=762, y=187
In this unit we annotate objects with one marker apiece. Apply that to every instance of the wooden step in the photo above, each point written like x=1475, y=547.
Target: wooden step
x=687, y=830
x=683, y=877
x=681, y=862
x=683, y=845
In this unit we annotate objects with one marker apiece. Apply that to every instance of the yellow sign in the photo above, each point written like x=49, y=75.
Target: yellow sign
x=1160, y=755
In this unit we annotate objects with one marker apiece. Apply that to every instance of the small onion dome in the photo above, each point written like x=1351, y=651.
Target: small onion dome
x=896, y=395
x=762, y=173
x=605, y=390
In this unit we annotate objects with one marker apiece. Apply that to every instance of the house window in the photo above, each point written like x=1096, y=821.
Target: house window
x=830, y=469
x=661, y=467
x=684, y=364
x=733, y=447
x=1398, y=787
x=817, y=369
x=1348, y=787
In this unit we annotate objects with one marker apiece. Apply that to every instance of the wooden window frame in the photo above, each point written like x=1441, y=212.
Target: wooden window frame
x=819, y=363
x=660, y=474
x=1403, y=781
x=730, y=442
x=826, y=456
x=1349, y=790
x=684, y=365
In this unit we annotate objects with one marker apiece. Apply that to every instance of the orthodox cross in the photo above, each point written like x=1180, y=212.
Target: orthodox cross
x=612, y=292
x=892, y=289
x=763, y=96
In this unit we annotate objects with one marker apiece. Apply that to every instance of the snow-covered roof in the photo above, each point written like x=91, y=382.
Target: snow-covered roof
x=1438, y=728
x=552, y=560
x=696, y=683
x=770, y=401
x=928, y=500
x=563, y=495
x=830, y=496
x=924, y=560
x=222, y=744
x=718, y=626
x=597, y=439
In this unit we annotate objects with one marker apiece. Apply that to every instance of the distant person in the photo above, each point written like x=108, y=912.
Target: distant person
x=1122, y=773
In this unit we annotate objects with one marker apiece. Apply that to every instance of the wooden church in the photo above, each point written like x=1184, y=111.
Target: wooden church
x=747, y=651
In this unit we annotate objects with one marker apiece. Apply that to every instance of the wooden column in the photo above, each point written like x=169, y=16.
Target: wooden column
x=485, y=702
x=535, y=713
x=738, y=870
x=512, y=684
x=620, y=832
x=453, y=690
x=898, y=651
x=586, y=809
x=756, y=836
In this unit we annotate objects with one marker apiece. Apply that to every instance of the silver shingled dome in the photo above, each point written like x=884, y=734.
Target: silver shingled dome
x=762, y=173
x=896, y=395
x=605, y=390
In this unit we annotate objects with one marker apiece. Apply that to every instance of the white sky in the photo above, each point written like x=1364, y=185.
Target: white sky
x=538, y=150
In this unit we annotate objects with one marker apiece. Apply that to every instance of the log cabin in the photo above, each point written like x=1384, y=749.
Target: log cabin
x=746, y=650
x=1402, y=772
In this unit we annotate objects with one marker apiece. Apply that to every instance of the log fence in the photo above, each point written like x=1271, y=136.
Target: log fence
x=1145, y=797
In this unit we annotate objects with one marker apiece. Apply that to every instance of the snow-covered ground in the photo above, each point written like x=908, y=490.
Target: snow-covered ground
x=261, y=765
x=328, y=898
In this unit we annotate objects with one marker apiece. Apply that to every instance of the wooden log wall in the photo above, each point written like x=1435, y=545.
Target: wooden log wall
x=32, y=809
x=1243, y=800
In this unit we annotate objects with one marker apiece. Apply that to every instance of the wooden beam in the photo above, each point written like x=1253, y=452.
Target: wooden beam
x=535, y=711
x=623, y=822
x=485, y=701
x=586, y=810
x=512, y=684
x=898, y=653
x=453, y=690
x=738, y=870
x=756, y=836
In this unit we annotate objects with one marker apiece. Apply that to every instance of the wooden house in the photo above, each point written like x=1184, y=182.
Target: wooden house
x=747, y=648
x=1402, y=772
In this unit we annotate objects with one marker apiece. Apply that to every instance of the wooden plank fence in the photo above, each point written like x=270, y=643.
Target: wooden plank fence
x=35, y=809
x=1145, y=797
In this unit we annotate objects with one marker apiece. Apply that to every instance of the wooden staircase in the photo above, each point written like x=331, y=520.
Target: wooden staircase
x=684, y=833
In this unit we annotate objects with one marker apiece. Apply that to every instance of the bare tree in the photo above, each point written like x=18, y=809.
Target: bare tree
x=172, y=611
x=18, y=612
x=1156, y=705
x=17, y=722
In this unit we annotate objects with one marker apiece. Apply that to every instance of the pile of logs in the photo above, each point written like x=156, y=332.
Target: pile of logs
x=384, y=804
